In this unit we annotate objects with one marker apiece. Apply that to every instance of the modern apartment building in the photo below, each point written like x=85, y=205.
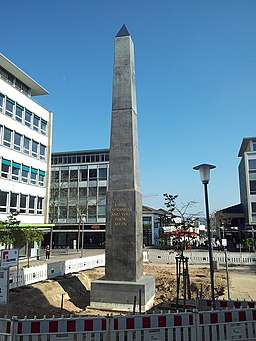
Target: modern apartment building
x=79, y=183
x=247, y=180
x=25, y=147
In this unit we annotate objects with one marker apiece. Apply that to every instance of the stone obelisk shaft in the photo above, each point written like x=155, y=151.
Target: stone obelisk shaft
x=124, y=238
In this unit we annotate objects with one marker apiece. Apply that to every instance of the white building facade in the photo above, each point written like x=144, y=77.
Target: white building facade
x=247, y=179
x=25, y=147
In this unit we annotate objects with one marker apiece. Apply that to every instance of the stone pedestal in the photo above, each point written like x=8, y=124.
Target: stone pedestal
x=119, y=295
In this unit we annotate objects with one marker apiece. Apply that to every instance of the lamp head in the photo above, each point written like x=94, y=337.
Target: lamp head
x=204, y=170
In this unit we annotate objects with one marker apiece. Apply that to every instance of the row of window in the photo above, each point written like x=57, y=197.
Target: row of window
x=15, y=171
x=11, y=139
x=22, y=115
x=72, y=213
x=9, y=78
x=81, y=174
x=23, y=203
x=87, y=158
x=81, y=195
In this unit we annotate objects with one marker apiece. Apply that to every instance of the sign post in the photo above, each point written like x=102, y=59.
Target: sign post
x=8, y=258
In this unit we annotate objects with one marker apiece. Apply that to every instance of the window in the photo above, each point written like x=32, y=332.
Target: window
x=1, y=102
x=72, y=214
x=63, y=212
x=19, y=113
x=15, y=171
x=17, y=141
x=9, y=107
x=55, y=176
x=102, y=173
x=83, y=174
x=253, y=211
x=82, y=193
x=40, y=205
x=28, y=118
x=92, y=193
x=102, y=211
x=254, y=146
x=35, y=148
x=3, y=201
x=74, y=175
x=24, y=173
x=7, y=137
x=93, y=174
x=36, y=122
x=92, y=213
x=26, y=145
x=73, y=194
x=13, y=202
x=43, y=127
x=6, y=165
x=41, y=178
x=102, y=195
x=31, y=207
x=42, y=152
x=64, y=175
x=252, y=186
x=23, y=203
x=6, y=76
x=252, y=164
x=63, y=195
x=33, y=176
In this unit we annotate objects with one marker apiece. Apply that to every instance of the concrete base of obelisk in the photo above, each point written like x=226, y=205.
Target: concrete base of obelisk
x=120, y=295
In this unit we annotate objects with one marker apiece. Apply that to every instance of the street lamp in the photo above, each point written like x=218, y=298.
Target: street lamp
x=204, y=170
x=83, y=218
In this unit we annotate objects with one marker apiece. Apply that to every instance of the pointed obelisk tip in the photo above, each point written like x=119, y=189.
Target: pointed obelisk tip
x=123, y=32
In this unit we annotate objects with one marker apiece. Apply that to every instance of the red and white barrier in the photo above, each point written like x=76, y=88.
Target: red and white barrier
x=192, y=326
x=206, y=304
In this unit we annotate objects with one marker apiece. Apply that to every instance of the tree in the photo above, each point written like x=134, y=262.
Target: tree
x=12, y=234
x=181, y=218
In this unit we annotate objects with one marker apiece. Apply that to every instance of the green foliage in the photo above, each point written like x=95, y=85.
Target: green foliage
x=180, y=218
x=248, y=244
x=11, y=233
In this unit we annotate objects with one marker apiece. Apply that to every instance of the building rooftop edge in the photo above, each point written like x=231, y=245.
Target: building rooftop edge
x=80, y=152
x=244, y=144
x=36, y=89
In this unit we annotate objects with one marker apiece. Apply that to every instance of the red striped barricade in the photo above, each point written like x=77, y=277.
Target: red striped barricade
x=153, y=327
x=68, y=328
x=227, y=325
x=5, y=328
x=206, y=304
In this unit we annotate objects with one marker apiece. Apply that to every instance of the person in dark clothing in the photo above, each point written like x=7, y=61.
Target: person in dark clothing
x=47, y=252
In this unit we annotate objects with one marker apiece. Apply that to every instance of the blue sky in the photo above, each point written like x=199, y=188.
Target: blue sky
x=195, y=73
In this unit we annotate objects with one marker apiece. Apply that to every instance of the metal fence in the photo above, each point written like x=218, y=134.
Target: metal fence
x=200, y=257
x=188, y=326
x=34, y=274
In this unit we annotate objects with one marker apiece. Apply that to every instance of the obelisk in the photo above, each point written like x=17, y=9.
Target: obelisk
x=124, y=277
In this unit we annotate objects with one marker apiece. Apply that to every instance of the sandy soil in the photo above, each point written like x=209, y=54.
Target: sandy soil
x=44, y=298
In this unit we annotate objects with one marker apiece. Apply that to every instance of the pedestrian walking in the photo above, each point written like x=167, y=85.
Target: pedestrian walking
x=47, y=252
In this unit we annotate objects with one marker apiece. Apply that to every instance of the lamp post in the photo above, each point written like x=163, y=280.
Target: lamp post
x=204, y=170
x=82, y=246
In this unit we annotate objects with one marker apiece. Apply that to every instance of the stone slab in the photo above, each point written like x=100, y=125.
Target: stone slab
x=119, y=295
